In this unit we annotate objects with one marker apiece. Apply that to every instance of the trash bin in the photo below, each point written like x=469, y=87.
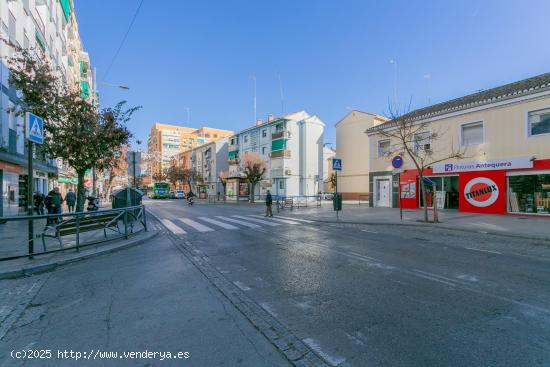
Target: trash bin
x=337, y=201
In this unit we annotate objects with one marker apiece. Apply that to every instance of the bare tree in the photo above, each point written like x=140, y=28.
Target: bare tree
x=415, y=139
x=223, y=175
x=254, y=168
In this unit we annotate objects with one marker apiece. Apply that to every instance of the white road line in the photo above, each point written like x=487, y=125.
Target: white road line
x=218, y=223
x=196, y=225
x=366, y=230
x=242, y=286
x=481, y=250
x=332, y=360
x=434, y=279
x=172, y=227
x=258, y=220
x=249, y=225
x=276, y=219
x=299, y=220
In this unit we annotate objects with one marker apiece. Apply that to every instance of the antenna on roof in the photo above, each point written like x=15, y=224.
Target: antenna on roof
x=254, y=79
x=428, y=78
x=281, y=93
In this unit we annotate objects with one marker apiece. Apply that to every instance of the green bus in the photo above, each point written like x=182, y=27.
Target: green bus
x=161, y=190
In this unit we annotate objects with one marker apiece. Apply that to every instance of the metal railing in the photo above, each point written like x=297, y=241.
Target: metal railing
x=299, y=201
x=61, y=232
x=365, y=197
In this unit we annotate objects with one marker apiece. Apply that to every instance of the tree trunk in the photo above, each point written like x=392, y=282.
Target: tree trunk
x=436, y=217
x=224, y=191
x=252, y=187
x=80, y=191
x=423, y=193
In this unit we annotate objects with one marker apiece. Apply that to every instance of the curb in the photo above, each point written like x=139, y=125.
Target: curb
x=436, y=226
x=31, y=270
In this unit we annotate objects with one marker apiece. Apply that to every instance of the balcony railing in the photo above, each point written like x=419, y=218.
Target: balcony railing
x=279, y=135
x=233, y=161
x=281, y=154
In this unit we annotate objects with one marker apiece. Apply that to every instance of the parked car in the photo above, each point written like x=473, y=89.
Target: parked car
x=327, y=196
x=171, y=195
x=180, y=194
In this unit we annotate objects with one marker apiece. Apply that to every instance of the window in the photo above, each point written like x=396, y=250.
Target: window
x=264, y=133
x=263, y=150
x=246, y=138
x=232, y=141
x=383, y=148
x=471, y=134
x=539, y=122
x=529, y=194
x=281, y=185
x=422, y=141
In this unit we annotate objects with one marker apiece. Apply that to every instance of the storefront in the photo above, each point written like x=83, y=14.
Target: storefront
x=518, y=185
x=9, y=186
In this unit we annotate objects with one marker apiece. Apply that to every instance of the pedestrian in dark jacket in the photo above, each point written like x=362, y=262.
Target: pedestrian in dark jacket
x=38, y=200
x=70, y=198
x=268, y=203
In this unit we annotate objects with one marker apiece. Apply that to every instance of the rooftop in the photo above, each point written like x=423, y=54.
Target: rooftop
x=536, y=84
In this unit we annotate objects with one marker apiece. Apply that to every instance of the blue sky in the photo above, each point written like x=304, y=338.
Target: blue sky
x=331, y=55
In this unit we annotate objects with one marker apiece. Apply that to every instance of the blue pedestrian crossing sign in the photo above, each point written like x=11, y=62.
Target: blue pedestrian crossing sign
x=336, y=164
x=35, y=128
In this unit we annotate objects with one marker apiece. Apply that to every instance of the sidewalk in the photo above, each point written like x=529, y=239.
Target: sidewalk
x=510, y=225
x=41, y=263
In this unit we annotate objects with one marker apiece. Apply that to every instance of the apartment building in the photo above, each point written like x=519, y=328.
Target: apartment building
x=291, y=145
x=50, y=28
x=504, y=133
x=352, y=146
x=167, y=141
x=208, y=161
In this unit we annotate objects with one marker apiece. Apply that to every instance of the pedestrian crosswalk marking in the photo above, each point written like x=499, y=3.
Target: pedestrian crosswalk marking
x=218, y=223
x=298, y=219
x=286, y=221
x=258, y=221
x=196, y=225
x=246, y=224
x=172, y=227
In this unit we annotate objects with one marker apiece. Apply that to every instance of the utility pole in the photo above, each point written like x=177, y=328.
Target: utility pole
x=30, y=199
x=134, y=167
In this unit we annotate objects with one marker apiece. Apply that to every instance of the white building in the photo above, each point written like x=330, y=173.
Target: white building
x=49, y=28
x=209, y=160
x=292, y=146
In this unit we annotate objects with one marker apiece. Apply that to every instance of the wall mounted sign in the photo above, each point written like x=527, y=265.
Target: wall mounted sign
x=481, y=192
x=496, y=164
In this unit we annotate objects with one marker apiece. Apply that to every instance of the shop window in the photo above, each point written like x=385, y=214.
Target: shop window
x=529, y=194
x=422, y=141
x=281, y=185
x=384, y=148
x=539, y=122
x=472, y=133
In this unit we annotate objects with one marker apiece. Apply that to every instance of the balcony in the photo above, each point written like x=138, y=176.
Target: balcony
x=280, y=134
x=281, y=154
x=233, y=161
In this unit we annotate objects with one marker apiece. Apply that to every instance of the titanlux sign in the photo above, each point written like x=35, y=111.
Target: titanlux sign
x=481, y=192
x=509, y=163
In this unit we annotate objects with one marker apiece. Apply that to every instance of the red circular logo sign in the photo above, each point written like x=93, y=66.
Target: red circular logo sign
x=481, y=192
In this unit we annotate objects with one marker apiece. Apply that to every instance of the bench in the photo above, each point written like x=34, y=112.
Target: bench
x=85, y=223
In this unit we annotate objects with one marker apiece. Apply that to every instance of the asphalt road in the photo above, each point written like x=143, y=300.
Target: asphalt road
x=356, y=295
x=384, y=295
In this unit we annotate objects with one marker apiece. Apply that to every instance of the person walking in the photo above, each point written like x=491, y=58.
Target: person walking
x=53, y=203
x=268, y=203
x=38, y=199
x=70, y=198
